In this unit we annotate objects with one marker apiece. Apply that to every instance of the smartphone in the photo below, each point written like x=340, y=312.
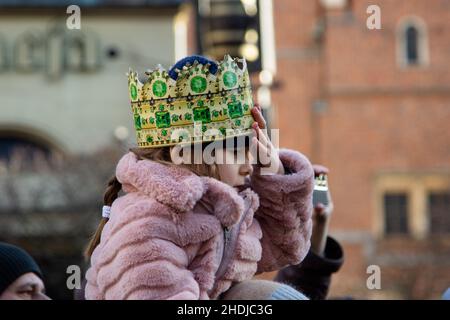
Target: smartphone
x=320, y=193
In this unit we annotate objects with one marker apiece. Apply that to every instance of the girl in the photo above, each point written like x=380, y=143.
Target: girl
x=193, y=231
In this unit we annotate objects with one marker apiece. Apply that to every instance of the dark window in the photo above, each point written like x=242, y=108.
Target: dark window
x=11, y=147
x=396, y=213
x=412, y=45
x=439, y=211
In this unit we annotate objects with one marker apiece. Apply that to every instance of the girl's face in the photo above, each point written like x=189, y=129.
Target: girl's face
x=235, y=172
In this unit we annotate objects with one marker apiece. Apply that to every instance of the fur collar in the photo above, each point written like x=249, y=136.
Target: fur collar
x=180, y=189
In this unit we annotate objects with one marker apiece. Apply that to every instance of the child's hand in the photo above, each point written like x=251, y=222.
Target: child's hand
x=267, y=154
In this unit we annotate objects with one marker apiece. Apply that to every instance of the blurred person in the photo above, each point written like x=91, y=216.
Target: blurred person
x=193, y=231
x=325, y=257
x=20, y=276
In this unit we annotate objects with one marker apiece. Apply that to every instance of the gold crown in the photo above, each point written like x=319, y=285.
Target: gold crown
x=197, y=107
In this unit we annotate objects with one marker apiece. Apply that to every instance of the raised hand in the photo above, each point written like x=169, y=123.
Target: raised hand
x=267, y=154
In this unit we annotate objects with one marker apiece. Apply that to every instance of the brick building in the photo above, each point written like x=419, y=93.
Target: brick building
x=374, y=106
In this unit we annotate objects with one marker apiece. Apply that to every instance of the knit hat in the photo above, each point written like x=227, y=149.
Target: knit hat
x=14, y=262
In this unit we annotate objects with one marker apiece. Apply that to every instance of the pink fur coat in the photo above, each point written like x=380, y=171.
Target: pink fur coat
x=175, y=235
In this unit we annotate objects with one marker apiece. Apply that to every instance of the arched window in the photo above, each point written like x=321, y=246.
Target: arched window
x=412, y=44
x=19, y=147
x=412, y=49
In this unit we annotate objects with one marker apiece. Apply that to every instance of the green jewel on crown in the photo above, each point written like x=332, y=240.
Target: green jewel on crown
x=159, y=88
x=229, y=79
x=198, y=84
x=198, y=106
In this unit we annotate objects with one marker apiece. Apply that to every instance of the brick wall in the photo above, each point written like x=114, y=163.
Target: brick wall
x=346, y=102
